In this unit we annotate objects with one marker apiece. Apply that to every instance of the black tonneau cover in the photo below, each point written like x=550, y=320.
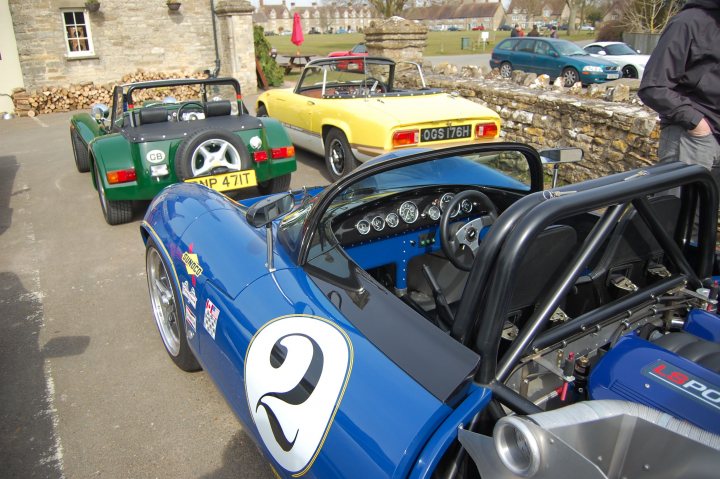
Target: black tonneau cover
x=173, y=130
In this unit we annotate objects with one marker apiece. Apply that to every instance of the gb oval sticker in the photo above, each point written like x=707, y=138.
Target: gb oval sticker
x=155, y=156
x=296, y=372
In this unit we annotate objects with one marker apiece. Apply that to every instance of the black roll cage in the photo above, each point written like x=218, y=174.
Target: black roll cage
x=485, y=301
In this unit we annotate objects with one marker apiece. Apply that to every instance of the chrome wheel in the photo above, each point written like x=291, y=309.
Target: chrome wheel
x=214, y=153
x=163, y=302
x=337, y=158
x=506, y=70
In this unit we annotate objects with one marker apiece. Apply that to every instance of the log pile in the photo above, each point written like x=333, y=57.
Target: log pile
x=82, y=96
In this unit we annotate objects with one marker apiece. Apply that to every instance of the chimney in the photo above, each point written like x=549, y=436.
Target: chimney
x=314, y=4
x=292, y=4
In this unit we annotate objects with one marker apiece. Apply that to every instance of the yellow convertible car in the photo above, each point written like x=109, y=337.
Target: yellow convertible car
x=352, y=114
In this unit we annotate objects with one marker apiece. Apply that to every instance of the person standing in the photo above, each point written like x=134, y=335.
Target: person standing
x=682, y=83
x=534, y=32
x=553, y=32
x=515, y=31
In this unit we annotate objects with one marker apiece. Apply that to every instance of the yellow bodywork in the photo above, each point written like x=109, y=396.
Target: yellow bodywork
x=370, y=121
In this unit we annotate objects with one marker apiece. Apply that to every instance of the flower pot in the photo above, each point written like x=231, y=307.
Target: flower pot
x=174, y=6
x=92, y=7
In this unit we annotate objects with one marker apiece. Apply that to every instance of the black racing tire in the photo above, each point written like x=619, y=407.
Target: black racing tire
x=570, y=76
x=166, y=305
x=82, y=159
x=279, y=184
x=186, y=157
x=506, y=70
x=629, y=71
x=115, y=212
x=261, y=111
x=339, y=158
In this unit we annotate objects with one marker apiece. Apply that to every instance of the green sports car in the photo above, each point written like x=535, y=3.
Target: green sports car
x=149, y=139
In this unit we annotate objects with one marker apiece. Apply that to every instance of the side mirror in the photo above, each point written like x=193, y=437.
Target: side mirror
x=269, y=209
x=561, y=155
x=638, y=51
x=99, y=111
x=557, y=156
x=602, y=53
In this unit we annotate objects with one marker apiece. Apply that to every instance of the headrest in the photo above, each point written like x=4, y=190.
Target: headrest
x=218, y=108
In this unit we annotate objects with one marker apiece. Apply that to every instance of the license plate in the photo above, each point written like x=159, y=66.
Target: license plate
x=445, y=133
x=613, y=76
x=227, y=181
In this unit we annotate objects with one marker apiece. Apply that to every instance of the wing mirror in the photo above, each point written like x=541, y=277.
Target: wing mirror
x=557, y=156
x=264, y=212
x=269, y=209
x=602, y=53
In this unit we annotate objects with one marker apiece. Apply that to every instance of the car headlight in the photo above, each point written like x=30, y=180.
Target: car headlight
x=517, y=447
x=591, y=68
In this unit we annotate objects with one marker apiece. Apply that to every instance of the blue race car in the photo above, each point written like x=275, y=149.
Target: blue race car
x=437, y=314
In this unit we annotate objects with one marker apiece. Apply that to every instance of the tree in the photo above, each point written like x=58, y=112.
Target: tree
x=650, y=16
x=388, y=8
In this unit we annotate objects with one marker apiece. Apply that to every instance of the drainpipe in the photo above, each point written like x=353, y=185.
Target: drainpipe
x=217, y=51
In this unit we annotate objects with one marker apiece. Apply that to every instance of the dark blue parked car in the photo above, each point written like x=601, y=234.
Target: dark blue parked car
x=552, y=57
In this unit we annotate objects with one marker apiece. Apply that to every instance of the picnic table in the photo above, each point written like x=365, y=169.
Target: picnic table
x=296, y=62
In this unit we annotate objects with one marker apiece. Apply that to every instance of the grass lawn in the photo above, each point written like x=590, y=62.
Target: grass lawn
x=439, y=43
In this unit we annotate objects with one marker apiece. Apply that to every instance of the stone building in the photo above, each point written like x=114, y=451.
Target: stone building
x=60, y=42
x=526, y=13
x=465, y=16
x=278, y=18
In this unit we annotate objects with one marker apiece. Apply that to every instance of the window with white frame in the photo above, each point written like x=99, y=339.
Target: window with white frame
x=78, y=41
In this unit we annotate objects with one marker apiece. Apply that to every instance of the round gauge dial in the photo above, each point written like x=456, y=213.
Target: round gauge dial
x=408, y=212
x=392, y=220
x=434, y=212
x=466, y=206
x=363, y=227
x=445, y=200
x=378, y=223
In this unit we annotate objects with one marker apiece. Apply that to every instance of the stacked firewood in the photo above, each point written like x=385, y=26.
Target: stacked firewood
x=82, y=96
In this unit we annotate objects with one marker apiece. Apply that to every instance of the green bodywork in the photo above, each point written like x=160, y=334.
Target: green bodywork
x=110, y=151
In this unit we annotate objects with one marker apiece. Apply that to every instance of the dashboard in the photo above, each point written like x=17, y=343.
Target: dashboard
x=398, y=213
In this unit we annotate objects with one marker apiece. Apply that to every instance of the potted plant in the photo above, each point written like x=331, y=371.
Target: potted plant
x=173, y=5
x=92, y=6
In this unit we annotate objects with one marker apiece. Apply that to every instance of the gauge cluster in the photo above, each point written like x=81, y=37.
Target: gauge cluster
x=401, y=213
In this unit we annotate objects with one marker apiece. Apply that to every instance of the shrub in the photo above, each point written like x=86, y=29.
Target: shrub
x=610, y=32
x=273, y=72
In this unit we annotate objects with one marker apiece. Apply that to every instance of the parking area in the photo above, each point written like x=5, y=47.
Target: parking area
x=86, y=388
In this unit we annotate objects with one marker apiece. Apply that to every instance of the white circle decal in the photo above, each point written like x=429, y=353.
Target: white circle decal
x=155, y=156
x=296, y=371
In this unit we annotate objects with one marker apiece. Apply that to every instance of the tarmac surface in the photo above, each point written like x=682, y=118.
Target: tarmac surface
x=86, y=387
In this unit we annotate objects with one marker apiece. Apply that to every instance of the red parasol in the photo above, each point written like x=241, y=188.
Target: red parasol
x=297, y=35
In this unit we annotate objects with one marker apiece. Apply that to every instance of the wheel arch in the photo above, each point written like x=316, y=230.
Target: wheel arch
x=338, y=125
x=86, y=126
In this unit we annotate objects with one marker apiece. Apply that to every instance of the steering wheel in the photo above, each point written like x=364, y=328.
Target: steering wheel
x=191, y=103
x=373, y=84
x=458, y=239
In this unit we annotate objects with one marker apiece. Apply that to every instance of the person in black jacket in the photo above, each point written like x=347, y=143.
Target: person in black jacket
x=682, y=83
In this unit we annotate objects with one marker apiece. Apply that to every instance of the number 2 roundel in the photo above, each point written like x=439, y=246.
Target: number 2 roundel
x=296, y=372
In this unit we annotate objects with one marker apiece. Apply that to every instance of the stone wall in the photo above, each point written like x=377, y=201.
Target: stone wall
x=615, y=135
x=127, y=35
x=396, y=38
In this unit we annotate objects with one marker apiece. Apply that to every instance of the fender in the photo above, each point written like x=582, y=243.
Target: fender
x=86, y=126
x=203, y=222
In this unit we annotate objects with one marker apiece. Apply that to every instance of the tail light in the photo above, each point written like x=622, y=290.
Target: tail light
x=284, y=152
x=486, y=130
x=406, y=137
x=260, y=156
x=121, y=176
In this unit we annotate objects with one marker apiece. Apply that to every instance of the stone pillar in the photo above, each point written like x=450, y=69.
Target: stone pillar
x=397, y=38
x=236, y=42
